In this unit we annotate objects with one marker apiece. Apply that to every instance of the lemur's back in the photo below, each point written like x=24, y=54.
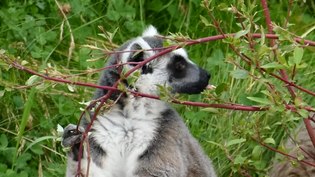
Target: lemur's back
x=175, y=150
x=139, y=136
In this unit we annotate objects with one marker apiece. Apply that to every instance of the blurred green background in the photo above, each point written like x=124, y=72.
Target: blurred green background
x=30, y=33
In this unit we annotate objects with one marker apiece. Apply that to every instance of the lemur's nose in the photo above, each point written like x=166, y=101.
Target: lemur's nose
x=204, y=75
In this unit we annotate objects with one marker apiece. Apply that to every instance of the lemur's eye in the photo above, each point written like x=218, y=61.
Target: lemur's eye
x=139, y=57
x=179, y=63
x=177, y=67
x=136, y=57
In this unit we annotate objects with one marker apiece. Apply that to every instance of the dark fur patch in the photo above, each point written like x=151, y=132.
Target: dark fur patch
x=75, y=149
x=177, y=67
x=97, y=152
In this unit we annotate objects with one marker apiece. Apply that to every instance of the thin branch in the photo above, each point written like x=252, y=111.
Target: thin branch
x=268, y=20
x=224, y=106
x=287, y=155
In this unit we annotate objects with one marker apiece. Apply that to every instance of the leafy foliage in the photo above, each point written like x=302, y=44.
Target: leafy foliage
x=35, y=34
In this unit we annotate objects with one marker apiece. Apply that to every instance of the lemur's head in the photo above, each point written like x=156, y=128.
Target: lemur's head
x=173, y=69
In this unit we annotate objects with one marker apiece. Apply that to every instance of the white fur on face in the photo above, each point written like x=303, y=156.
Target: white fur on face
x=147, y=83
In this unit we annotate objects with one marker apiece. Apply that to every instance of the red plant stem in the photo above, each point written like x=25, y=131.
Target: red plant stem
x=60, y=80
x=292, y=84
x=163, y=52
x=255, y=35
x=285, y=154
x=189, y=103
x=289, y=87
x=101, y=69
x=309, y=128
x=226, y=106
x=89, y=126
x=268, y=20
x=272, y=43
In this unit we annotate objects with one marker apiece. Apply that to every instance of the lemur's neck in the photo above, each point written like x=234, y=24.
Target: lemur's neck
x=133, y=105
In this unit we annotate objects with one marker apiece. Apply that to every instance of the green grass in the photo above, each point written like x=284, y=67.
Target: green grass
x=29, y=33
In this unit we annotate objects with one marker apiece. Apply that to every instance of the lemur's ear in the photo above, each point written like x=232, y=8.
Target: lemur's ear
x=150, y=31
x=108, y=78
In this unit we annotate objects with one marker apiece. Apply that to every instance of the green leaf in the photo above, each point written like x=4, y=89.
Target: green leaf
x=113, y=15
x=38, y=140
x=241, y=33
x=235, y=141
x=221, y=88
x=260, y=165
x=22, y=160
x=284, y=35
x=37, y=149
x=216, y=144
x=300, y=156
x=239, y=74
x=3, y=168
x=270, y=141
x=3, y=142
x=304, y=113
x=25, y=116
x=205, y=21
x=298, y=55
x=263, y=101
x=71, y=87
x=273, y=65
x=257, y=151
x=2, y=93
x=33, y=79
x=239, y=159
x=263, y=50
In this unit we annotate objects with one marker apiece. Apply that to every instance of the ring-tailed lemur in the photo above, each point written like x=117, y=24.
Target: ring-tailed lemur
x=138, y=136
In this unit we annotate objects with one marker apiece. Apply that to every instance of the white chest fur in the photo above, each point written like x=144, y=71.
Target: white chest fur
x=126, y=134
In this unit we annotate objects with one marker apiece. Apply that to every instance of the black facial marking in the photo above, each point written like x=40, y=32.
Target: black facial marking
x=75, y=149
x=177, y=67
x=138, y=56
x=146, y=69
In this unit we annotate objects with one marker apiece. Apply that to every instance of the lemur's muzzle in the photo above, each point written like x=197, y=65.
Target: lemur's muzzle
x=199, y=85
x=195, y=81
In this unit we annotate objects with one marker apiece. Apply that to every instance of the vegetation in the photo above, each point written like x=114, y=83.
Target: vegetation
x=71, y=40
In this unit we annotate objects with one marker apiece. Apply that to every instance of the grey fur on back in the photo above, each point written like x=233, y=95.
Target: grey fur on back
x=286, y=167
x=174, y=152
